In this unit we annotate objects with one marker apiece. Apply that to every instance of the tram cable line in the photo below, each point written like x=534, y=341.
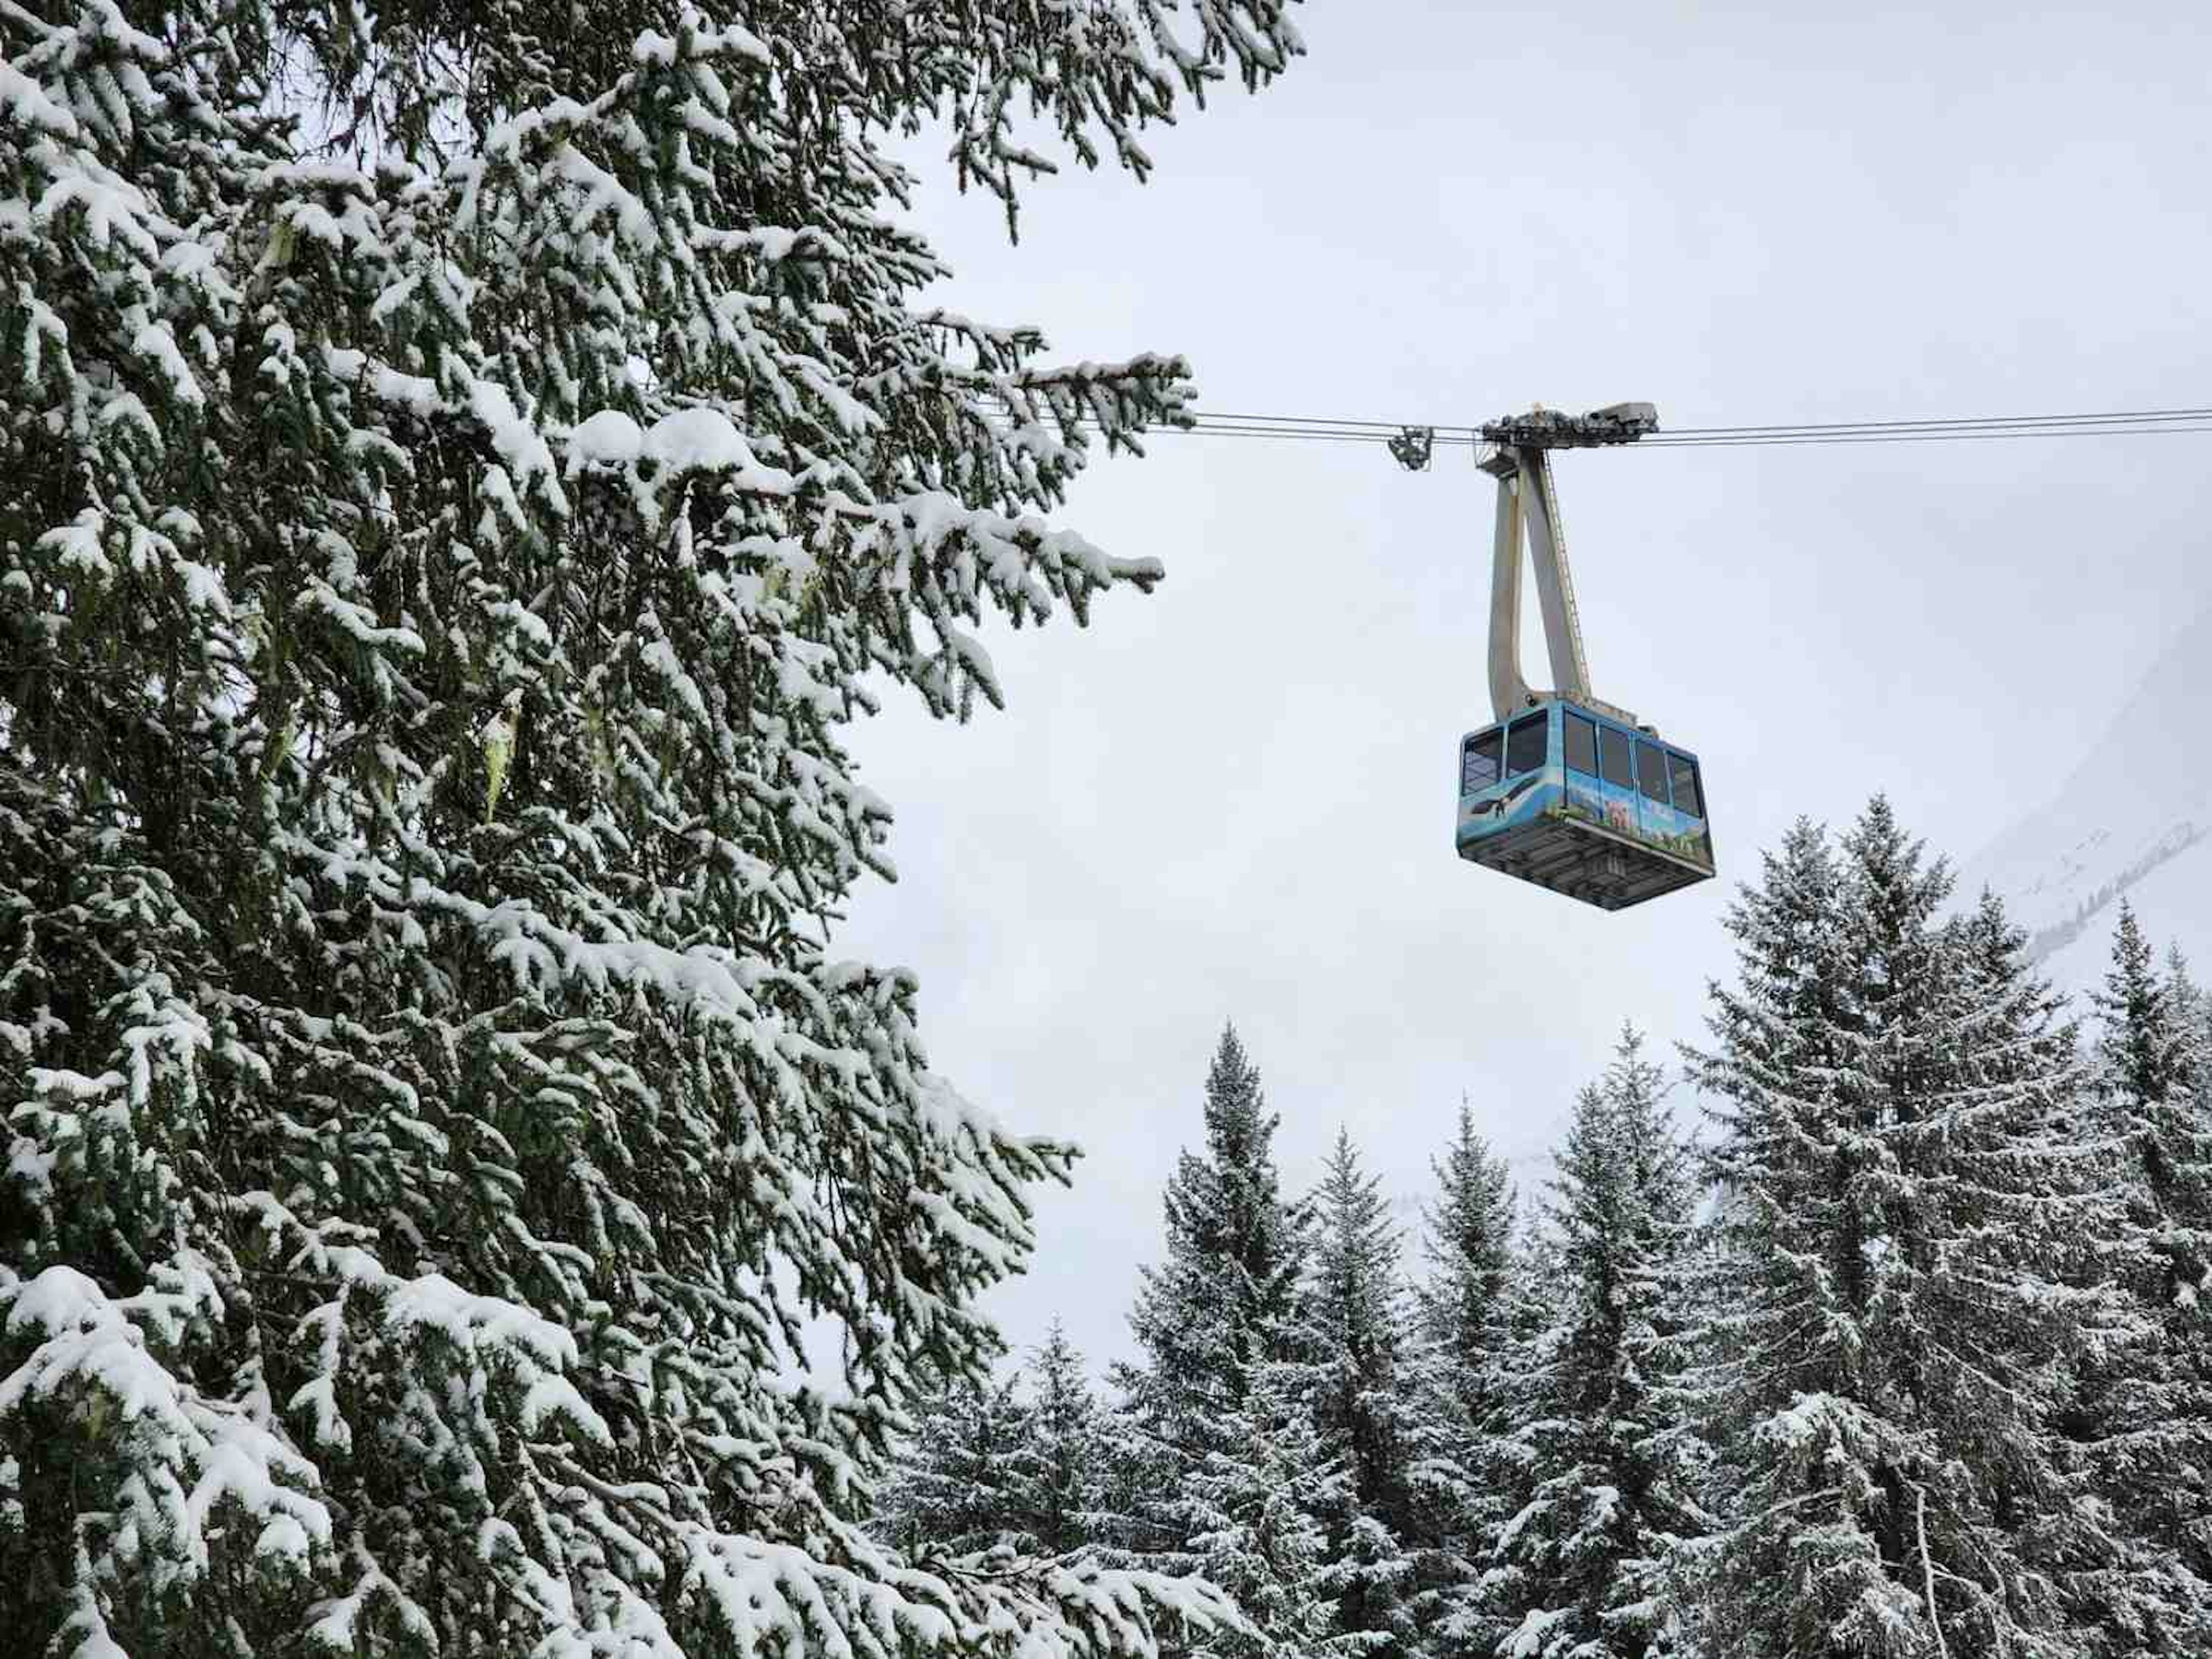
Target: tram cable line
x=1207, y=429
x=1956, y=421
x=1755, y=430
x=1419, y=438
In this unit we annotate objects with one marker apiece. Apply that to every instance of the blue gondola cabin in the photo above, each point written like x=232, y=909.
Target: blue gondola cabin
x=1566, y=798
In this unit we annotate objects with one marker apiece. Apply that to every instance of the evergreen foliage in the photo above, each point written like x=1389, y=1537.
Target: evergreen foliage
x=1606, y=1477
x=1011, y=1465
x=2145, y=1044
x=1251, y=1508
x=957, y=1488
x=1223, y=1305
x=1926, y=1377
x=1457, y=1390
x=2193, y=1010
x=1356, y=1310
x=1059, y=1476
x=1906, y=1212
x=1136, y=1520
x=2144, y=1415
x=446, y=532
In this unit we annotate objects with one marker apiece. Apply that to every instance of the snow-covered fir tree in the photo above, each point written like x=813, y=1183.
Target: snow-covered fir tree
x=1457, y=1368
x=1355, y=1314
x=1220, y=1308
x=1012, y=1464
x=465, y=464
x=2146, y=1040
x=2198, y=1000
x=1603, y=1471
x=1134, y=1518
x=1251, y=1508
x=2192, y=1007
x=1058, y=1475
x=1666, y=1455
x=956, y=1488
x=1906, y=1199
x=2143, y=1419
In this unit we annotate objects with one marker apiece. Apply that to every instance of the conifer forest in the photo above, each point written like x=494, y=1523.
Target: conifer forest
x=468, y=473
x=1895, y=1349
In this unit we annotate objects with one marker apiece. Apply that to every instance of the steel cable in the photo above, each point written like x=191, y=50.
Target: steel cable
x=2103, y=423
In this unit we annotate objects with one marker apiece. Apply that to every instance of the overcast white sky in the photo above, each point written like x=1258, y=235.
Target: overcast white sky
x=1233, y=799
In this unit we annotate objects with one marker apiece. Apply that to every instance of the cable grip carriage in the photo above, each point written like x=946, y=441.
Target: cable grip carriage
x=1567, y=791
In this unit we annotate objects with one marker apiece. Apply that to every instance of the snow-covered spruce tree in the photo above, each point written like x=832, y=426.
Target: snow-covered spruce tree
x=2196, y=1000
x=1134, y=1520
x=1660, y=1308
x=1012, y=1465
x=2192, y=1007
x=1220, y=1306
x=1906, y=1196
x=956, y=1487
x=1536, y=1305
x=2146, y=1064
x=1605, y=1482
x=1354, y=1335
x=1455, y=1367
x=1251, y=1507
x=464, y=467
x=2142, y=1420
x=1058, y=1475
x=1795, y=1560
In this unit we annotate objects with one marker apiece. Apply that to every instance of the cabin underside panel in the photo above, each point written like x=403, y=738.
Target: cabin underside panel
x=1582, y=861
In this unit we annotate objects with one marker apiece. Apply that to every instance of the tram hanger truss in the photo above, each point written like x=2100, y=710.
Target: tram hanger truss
x=1519, y=457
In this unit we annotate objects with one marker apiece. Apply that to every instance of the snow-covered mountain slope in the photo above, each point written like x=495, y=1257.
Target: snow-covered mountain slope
x=2135, y=818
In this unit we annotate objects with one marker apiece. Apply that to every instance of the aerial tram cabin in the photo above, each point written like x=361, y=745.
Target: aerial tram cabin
x=1566, y=790
x=1574, y=801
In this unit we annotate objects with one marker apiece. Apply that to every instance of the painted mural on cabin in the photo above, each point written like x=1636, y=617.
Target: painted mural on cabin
x=1625, y=811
